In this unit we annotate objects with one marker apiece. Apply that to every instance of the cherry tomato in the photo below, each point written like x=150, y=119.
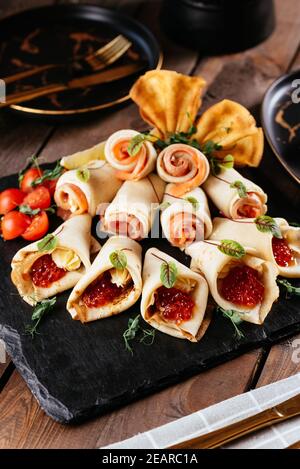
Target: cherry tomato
x=38, y=227
x=10, y=199
x=51, y=185
x=39, y=198
x=30, y=175
x=13, y=224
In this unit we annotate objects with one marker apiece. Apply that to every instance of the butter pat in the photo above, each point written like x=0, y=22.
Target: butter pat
x=66, y=259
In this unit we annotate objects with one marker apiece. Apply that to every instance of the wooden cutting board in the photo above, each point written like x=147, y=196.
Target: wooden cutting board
x=79, y=371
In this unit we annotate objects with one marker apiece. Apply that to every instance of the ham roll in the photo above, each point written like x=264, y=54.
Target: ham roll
x=185, y=219
x=227, y=198
x=285, y=252
x=132, y=211
x=178, y=311
x=133, y=167
x=40, y=274
x=183, y=166
x=75, y=194
x=247, y=285
x=106, y=290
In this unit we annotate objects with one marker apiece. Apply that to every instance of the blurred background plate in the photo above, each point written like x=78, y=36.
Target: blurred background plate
x=61, y=33
x=281, y=121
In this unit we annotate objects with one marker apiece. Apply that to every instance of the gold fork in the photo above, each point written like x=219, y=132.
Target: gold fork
x=98, y=60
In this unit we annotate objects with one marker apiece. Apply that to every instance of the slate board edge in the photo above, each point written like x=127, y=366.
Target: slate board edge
x=59, y=412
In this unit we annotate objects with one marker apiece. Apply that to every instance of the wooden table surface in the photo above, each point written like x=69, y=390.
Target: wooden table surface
x=243, y=77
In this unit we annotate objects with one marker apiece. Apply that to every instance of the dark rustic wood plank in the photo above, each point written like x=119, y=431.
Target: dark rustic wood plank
x=282, y=361
x=24, y=424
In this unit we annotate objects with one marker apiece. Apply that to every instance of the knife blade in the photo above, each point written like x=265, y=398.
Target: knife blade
x=106, y=76
x=279, y=413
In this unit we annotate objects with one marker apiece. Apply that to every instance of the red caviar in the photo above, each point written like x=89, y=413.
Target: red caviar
x=242, y=287
x=44, y=272
x=101, y=292
x=175, y=305
x=282, y=252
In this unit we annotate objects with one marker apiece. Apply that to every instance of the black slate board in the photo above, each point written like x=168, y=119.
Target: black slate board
x=80, y=371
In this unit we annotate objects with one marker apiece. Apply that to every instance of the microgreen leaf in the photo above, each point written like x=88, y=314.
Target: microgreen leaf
x=290, y=289
x=294, y=223
x=168, y=274
x=83, y=174
x=28, y=210
x=193, y=201
x=235, y=318
x=231, y=248
x=49, y=175
x=148, y=335
x=48, y=243
x=209, y=147
x=227, y=162
x=164, y=205
x=240, y=187
x=267, y=224
x=118, y=260
x=42, y=307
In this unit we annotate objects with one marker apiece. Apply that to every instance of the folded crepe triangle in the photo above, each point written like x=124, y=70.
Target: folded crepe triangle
x=168, y=101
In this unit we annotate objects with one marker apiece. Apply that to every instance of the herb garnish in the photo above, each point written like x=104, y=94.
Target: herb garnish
x=232, y=248
x=137, y=141
x=34, y=211
x=294, y=223
x=193, y=201
x=134, y=327
x=29, y=211
x=118, y=260
x=240, y=187
x=235, y=319
x=168, y=274
x=49, y=175
x=266, y=224
x=289, y=288
x=83, y=174
x=42, y=307
x=32, y=161
x=48, y=243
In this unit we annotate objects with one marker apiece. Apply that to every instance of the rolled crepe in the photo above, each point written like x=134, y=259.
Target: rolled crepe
x=184, y=166
x=215, y=265
x=132, y=211
x=187, y=218
x=76, y=196
x=227, y=199
x=129, y=167
x=70, y=258
x=188, y=282
x=116, y=289
x=264, y=244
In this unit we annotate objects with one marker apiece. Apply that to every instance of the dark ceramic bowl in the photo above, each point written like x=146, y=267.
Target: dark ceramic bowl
x=218, y=26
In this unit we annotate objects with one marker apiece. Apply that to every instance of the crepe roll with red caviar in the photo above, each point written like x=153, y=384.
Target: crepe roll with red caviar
x=246, y=284
x=56, y=263
x=283, y=250
x=235, y=196
x=83, y=190
x=131, y=157
x=185, y=219
x=132, y=211
x=111, y=285
x=183, y=166
x=174, y=297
